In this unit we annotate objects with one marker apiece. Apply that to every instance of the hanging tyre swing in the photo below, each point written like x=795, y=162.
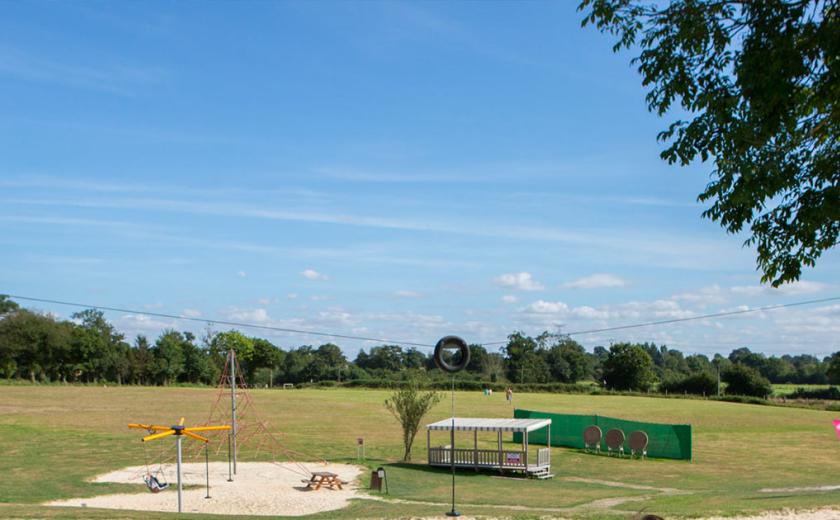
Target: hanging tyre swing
x=452, y=343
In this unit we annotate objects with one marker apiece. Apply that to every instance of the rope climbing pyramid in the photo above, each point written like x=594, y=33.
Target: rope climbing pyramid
x=249, y=436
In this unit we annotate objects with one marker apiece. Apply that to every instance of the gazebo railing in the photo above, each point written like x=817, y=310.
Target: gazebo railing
x=544, y=457
x=477, y=458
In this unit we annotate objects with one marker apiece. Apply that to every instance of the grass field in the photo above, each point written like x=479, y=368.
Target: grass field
x=55, y=438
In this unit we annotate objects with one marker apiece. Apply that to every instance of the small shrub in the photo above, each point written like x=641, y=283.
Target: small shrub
x=699, y=383
x=831, y=393
x=743, y=380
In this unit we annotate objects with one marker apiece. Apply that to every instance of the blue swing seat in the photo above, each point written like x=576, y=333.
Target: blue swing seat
x=155, y=485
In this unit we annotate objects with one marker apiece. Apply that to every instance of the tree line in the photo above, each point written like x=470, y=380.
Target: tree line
x=39, y=347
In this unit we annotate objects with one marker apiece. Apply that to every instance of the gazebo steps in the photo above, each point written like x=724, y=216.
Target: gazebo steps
x=541, y=474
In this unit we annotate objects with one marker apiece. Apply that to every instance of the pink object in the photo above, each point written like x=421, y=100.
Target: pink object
x=837, y=427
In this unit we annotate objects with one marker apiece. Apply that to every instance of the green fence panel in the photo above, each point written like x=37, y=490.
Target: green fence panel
x=670, y=441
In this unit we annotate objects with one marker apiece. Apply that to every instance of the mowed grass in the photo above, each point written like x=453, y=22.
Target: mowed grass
x=54, y=439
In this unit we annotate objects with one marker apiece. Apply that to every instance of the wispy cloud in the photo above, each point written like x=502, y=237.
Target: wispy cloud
x=596, y=281
x=649, y=248
x=407, y=294
x=796, y=288
x=115, y=78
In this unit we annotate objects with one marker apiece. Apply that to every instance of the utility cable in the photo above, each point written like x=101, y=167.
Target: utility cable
x=692, y=318
x=219, y=322
x=416, y=344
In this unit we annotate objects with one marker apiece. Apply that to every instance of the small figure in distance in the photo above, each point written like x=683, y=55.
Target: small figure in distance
x=509, y=395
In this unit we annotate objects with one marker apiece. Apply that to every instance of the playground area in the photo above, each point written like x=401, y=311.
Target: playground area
x=70, y=446
x=260, y=488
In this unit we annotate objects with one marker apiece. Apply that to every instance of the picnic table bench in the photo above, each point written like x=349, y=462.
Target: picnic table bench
x=323, y=478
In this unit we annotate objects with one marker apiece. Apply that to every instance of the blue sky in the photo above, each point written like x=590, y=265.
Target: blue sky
x=388, y=169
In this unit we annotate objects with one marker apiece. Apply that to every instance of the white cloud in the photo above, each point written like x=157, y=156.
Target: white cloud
x=258, y=315
x=596, y=281
x=407, y=294
x=191, y=313
x=712, y=294
x=242, y=274
x=264, y=301
x=520, y=281
x=312, y=274
x=291, y=296
x=544, y=307
x=510, y=298
x=590, y=313
x=790, y=289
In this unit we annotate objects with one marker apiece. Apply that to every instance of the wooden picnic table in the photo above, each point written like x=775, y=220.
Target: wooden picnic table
x=324, y=478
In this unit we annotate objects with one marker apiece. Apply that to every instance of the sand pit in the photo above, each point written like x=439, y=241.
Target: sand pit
x=259, y=488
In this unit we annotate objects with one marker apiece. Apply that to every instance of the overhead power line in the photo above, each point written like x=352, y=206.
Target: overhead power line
x=692, y=318
x=413, y=343
x=219, y=322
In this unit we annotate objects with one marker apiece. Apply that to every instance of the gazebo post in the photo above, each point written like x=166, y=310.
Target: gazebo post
x=548, y=443
x=501, y=458
x=475, y=449
x=526, y=450
x=428, y=445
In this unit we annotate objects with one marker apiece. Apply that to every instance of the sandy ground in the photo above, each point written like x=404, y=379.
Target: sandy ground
x=259, y=488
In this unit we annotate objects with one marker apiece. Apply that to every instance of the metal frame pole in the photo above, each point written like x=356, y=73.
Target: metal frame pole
x=233, y=403
x=180, y=487
x=207, y=469
x=452, y=452
x=230, y=470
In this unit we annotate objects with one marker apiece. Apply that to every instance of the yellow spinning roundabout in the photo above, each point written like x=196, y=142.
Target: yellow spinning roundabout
x=179, y=431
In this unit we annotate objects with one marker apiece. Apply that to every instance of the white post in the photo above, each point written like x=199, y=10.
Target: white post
x=548, y=443
x=180, y=488
x=232, y=356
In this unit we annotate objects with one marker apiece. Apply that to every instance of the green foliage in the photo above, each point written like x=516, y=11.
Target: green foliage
x=699, y=383
x=833, y=370
x=409, y=405
x=759, y=83
x=169, y=356
x=7, y=306
x=526, y=361
x=830, y=393
x=628, y=367
x=744, y=380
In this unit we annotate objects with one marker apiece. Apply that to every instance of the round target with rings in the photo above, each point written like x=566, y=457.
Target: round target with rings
x=452, y=343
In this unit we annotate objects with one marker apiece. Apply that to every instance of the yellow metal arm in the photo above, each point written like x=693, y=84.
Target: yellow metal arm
x=196, y=436
x=207, y=428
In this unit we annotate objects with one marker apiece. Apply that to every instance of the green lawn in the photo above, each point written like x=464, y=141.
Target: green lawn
x=55, y=438
x=782, y=390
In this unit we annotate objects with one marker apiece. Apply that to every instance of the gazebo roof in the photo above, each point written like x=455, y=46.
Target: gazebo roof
x=471, y=424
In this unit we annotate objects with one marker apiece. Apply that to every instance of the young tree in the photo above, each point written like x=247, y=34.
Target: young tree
x=409, y=405
x=628, y=367
x=169, y=356
x=759, y=85
x=743, y=380
x=833, y=370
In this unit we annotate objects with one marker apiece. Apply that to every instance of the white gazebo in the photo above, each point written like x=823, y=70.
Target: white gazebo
x=537, y=465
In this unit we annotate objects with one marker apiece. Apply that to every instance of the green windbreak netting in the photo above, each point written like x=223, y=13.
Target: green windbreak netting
x=670, y=441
